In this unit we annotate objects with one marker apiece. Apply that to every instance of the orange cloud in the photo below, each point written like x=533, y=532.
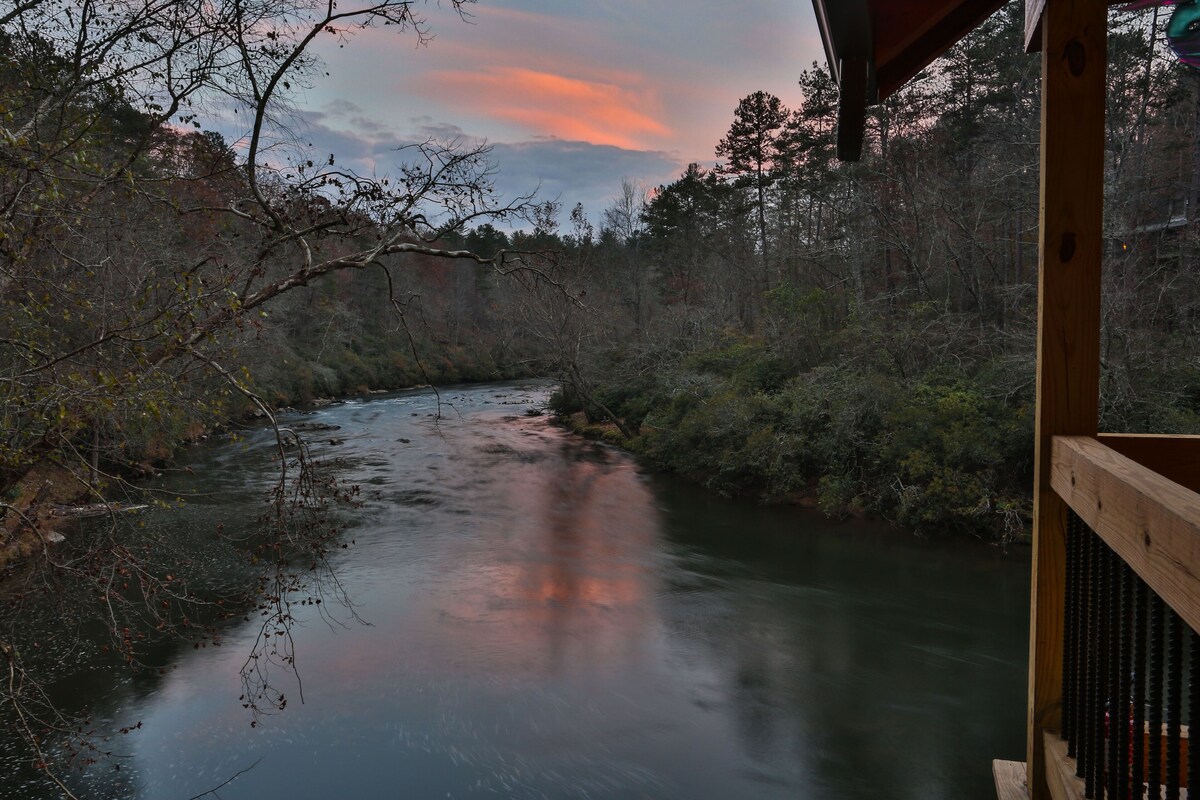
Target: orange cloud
x=554, y=105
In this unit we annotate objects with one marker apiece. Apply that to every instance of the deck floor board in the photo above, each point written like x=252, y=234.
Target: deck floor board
x=1010, y=780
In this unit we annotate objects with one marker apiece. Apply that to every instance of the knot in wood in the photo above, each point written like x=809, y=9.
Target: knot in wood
x=1066, y=247
x=1076, y=57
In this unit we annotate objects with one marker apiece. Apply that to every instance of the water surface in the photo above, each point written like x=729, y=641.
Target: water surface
x=547, y=620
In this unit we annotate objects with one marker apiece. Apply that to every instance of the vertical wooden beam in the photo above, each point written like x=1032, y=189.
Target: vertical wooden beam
x=1068, y=346
x=1033, y=25
x=852, y=108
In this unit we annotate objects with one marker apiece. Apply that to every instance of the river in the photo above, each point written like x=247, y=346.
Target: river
x=541, y=618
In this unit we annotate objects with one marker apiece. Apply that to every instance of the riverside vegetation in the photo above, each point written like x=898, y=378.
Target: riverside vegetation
x=156, y=281
x=861, y=336
x=858, y=336
x=782, y=326
x=148, y=273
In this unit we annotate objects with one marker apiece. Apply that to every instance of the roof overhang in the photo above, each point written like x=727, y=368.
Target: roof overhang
x=1033, y=22
x=875, y=46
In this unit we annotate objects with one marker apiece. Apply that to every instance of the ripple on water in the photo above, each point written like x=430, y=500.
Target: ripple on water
x=511, y=453
x=416, y=498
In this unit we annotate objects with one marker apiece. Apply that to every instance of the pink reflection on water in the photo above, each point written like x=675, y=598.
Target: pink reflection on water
x=557, y=581
x=553, y=571
x=567, y=578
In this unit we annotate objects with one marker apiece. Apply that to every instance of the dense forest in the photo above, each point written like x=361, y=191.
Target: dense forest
x=149, y=270
x=861, y=336
x=157, y=281
x=783, y=326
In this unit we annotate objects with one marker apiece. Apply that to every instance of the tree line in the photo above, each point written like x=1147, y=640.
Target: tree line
x=861, y=336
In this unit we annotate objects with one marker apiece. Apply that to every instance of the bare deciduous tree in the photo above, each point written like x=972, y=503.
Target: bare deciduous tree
x=135, y=254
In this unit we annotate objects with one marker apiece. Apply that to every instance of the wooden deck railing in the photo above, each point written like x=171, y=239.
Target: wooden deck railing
x=1130, y=612
x=1136, y=493
x=1151, y=521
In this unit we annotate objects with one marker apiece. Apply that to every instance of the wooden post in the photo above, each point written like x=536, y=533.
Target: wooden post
x=1068, y=344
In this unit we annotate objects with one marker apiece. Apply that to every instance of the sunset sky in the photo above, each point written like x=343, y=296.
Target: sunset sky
x=573, y=96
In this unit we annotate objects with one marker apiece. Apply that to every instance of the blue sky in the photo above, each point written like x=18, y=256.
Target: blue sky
x=573, y=96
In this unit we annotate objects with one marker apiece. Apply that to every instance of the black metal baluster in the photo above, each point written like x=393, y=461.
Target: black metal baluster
x=1116, y=720
x=1193, y=770
x=1154, y=774
x=1174, y=701
x=1094, y=721
x=1138, y=768
x=1084, y=643
x=1121, y=713
x=1070, y=635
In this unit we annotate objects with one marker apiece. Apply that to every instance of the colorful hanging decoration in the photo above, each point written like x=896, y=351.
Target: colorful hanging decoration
x=1183, y=28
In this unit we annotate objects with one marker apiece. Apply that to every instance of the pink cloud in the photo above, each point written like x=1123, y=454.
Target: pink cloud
x=639, y=76
x=549, y=104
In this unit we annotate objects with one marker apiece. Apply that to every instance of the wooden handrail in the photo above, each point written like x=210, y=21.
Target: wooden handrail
x=1151, y=522
x=1174, y=456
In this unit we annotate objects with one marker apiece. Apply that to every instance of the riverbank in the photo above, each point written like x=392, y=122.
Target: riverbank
x=933, y=452
x=807, y=498
x=33, y=516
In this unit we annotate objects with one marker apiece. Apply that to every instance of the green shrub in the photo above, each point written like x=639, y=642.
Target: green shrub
x=933, y=451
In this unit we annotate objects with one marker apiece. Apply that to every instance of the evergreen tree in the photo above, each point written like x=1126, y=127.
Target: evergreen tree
x=751, y=150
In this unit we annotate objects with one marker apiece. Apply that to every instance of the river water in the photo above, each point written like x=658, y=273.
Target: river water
x=544, y=619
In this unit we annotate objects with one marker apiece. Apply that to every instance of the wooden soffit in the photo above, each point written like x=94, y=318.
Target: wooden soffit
x=875, y=46
x=1033, y=22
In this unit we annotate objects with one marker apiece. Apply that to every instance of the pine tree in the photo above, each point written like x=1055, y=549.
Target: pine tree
x=751, y=149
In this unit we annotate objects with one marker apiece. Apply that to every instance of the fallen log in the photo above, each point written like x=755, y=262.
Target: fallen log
x=94, y=510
